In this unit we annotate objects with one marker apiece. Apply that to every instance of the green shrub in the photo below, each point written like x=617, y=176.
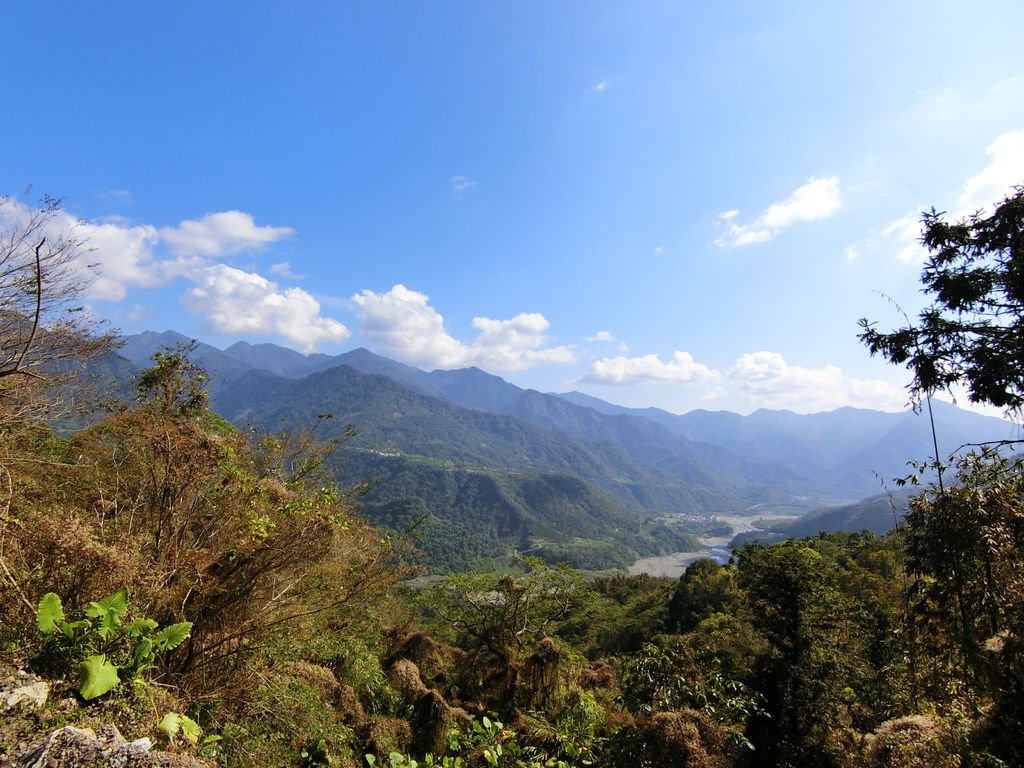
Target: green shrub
x=105, y=649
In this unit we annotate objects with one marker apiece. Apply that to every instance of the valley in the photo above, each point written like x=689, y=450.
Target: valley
x=673, y=565
x=477, y=469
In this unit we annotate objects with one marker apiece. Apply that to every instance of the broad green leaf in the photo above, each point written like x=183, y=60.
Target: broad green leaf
x=110, y=622
x=140, y=627
x=370, y=759
x=190, y=729
x=96, y=676
x=170, y=724
x=49, y=612
x=174, y=723
x=171, y=637
x=117, y=602
x=69, y=628
x=143, y=651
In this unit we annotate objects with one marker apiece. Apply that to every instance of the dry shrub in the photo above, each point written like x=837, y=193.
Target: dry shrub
x=59, y=553
x=598, y=675
x=431, y=720
x=349, y=707
x=915, y=741
x=320, y=679
x=439, y=665
x=222, y=537
x=538, y=681
x=686, y=739
x=388, y=734
x=404, y=677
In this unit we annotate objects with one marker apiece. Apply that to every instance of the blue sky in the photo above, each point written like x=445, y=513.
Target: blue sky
x=664, y=203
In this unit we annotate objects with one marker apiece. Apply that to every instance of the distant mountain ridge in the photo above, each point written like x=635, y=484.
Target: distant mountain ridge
x=634, y=466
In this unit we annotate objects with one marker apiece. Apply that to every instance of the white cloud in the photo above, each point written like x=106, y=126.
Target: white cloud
x=659, y=250
x=118, y=256
x=596, y=88
x=817, y=198
x=851, y=252
x=649, y=369
x=113, y=256
x=220, y=234
x=759, y=379
x=904, y=234
x=511, y=345
x=980, y=192
x=462, y=183
x=284, y=269
x=241, y=302
x=404, y=325
x=602, y=336
x=766, y=380
x=997, y=179
x=123, y=256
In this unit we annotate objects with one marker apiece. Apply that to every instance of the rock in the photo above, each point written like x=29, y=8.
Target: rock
x=32, y=694
x=70, y=747
x=66, y=746
x=20, y=690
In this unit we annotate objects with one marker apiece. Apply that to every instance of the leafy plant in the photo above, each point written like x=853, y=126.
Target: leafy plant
x=314, y=752
x=107, y=650
x=484, y=742
x=174, y=723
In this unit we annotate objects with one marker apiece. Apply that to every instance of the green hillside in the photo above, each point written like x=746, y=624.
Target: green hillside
x=393, y=419
x=466, y=517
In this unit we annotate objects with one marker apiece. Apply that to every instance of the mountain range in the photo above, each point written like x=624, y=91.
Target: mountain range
x=485, y=468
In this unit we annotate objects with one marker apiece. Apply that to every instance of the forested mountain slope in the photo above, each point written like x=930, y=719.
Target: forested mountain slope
x=472, y=450
x=391, y=418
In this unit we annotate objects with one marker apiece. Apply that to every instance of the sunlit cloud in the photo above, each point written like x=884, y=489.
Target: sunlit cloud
x=817, y=198
x=115, y=255
x=903, y=236
x=648, y=369
x=220, y=234
x=766, y=380
x=239, y=302
x=118, y=256
x=1004, y=171
x=758, y=379
x=402, y=324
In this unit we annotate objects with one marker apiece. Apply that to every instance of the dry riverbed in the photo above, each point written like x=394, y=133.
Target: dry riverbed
x=673, y=565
